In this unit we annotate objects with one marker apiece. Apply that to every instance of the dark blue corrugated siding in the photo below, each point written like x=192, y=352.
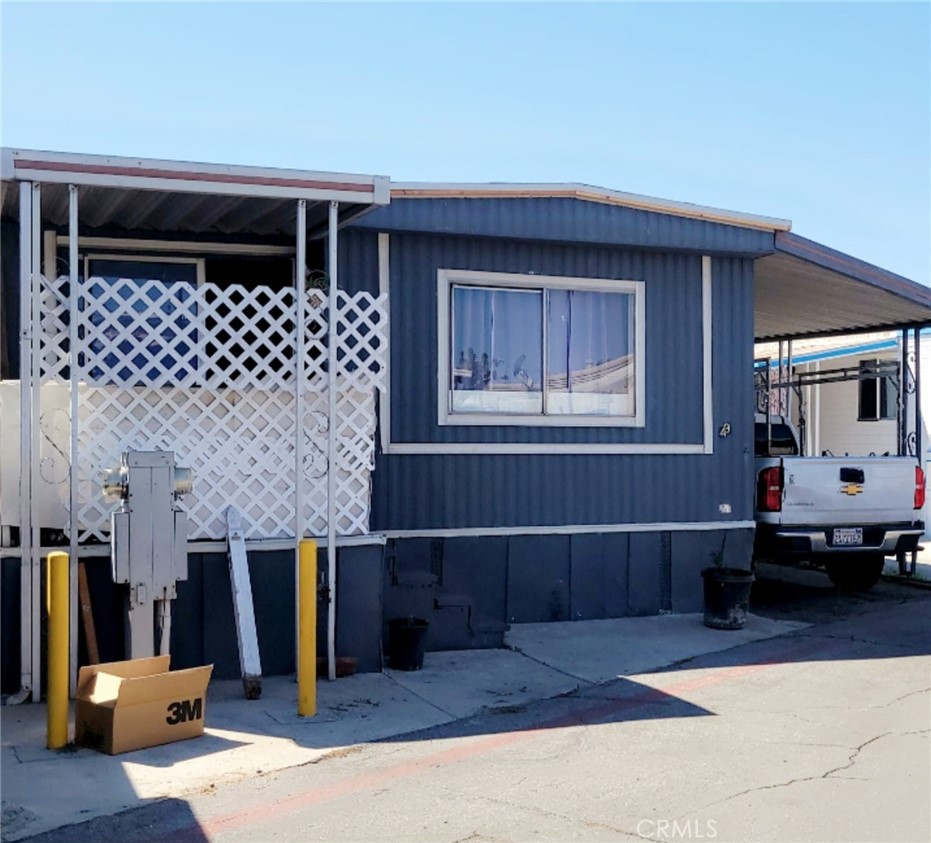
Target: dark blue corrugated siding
x=566, y=220
x=673, y=304
x=450, y=491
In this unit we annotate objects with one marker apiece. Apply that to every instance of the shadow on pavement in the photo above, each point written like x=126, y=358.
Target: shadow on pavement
x=167, y=819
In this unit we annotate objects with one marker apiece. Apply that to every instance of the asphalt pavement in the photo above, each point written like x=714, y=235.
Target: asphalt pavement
x=787, y=730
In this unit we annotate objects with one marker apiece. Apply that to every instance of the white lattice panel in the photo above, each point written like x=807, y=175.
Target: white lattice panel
x=53, y=329
x=208, y=373
x=363, y=339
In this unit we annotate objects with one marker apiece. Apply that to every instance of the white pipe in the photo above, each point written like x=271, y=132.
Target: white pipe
x=75, y=421
x=332, y=430
x=36, y=401
x=25, y=435
x=300, y=300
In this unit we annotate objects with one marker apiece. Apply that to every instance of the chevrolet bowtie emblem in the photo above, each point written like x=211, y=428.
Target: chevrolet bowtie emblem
x=851, y=489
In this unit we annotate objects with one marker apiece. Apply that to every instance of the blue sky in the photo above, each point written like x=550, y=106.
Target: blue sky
x=820, y=113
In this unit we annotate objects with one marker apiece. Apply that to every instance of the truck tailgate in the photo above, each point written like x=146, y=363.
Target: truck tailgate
x=873, y=490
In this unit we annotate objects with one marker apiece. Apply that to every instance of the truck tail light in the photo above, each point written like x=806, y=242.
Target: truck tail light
x=919, y=487
x=769, y=490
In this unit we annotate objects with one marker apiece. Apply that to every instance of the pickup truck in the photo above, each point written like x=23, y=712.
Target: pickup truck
x=845, y=514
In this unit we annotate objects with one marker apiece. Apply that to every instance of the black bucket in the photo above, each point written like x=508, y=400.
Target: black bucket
x=406, y=639
x=727, y=597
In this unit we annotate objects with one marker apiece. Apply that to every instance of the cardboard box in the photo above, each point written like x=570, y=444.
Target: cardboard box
x=122, y=706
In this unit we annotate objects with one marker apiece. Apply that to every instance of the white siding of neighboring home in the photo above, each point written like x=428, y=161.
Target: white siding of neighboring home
x=839, y=430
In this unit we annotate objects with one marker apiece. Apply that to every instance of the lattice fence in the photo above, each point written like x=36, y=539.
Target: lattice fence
x=209, y=373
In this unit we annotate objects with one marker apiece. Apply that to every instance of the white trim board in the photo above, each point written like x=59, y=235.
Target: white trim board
x=212, y=545
x=574, y=529
x=705, y=446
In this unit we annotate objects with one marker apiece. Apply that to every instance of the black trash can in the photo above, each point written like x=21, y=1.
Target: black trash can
x=406, y=640
x=727, y=597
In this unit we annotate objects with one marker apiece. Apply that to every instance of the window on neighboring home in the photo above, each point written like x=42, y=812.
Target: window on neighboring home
x=878, y=398
x=539, y=350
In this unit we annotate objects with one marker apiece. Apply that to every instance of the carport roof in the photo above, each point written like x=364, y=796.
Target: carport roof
x=158, y=195
x=805, y=289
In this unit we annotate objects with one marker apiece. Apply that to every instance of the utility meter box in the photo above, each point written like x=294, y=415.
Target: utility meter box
x=148, y=536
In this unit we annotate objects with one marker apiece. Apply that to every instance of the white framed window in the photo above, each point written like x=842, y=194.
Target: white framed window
x=519, y=349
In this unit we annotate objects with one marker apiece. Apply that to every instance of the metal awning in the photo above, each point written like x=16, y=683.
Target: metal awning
x=805, y=289
x=156, y=195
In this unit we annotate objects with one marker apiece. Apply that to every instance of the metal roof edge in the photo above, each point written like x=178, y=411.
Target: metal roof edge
x=81, y=168
x=859, y=270
x=840, y=351
x=590, y=193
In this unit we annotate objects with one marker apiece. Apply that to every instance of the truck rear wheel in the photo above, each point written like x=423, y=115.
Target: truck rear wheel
x=855, y=572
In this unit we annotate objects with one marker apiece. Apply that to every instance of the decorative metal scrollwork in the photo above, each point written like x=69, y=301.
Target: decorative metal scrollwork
x=911, y=444
x=910, y=383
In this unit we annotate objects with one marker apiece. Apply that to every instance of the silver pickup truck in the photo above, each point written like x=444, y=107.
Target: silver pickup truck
x=843, y=513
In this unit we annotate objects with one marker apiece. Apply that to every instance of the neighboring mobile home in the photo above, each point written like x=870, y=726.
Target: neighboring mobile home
x=542, y=410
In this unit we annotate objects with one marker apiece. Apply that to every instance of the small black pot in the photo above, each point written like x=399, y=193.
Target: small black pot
x=406, y=640
x=727, y=597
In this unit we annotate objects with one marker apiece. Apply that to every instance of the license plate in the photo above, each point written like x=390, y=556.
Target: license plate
x=848, y=535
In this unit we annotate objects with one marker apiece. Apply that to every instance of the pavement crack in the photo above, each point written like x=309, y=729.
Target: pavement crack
x=903, y=697
x=543, y=812
x=565, y=673
x=422, y=698
x=851, y=760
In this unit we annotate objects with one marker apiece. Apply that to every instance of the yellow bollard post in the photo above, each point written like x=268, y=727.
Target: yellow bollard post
x=307, y=630
x=58, y=630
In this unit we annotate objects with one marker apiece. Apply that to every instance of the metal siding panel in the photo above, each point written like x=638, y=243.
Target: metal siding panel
x=586, y=577
x=538, y=579
x=358, y=262
x=564, y=219
x=691, y=553
x=359, y=615
x=477, y=567
x=673, y=331
x=220, y=647
x=9, y=618
x=615, y=547
x=188, y=619
x=644, y=580
x=467, y=491
x=272, y=577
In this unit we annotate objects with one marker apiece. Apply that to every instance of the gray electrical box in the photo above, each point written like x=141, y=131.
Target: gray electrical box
x=148, y=542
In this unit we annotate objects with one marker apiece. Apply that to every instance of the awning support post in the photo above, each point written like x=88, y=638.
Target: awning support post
x=902, y=408
x=25, y=440
x=332, y=432
x=300, y=299
x=917, y=344
x=74, y=474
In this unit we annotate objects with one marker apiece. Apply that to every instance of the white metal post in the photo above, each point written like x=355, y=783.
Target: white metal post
x=74, y=473
x=300, y=299
x=25, y=437
x=332, y=430
x=916, y=341
x=36, y=402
